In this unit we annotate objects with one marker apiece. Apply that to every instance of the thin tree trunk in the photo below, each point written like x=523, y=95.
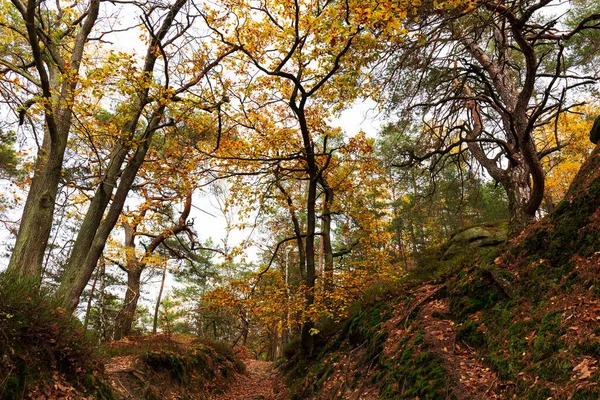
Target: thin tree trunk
x=158, y=299
x=326, y=241
x=297, y=229
x=89, y=305
x=308, y=325
x=101, y=311
x=243, y=333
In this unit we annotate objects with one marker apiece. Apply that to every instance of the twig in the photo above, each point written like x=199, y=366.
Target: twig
x=491, y=386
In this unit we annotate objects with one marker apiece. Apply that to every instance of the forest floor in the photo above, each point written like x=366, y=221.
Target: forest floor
x=260, y=382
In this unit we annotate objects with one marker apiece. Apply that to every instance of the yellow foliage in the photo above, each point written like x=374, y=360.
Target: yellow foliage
x=572, y=134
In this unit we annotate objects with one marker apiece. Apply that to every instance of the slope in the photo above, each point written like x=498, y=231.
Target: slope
x=519, y=321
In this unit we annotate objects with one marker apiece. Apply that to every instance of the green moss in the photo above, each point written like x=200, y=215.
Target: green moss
x=365, y=327
x=553, y=369
x=167, y=361
x=413, y=373
x=97, y=388
x=538, y=392
x=474, y=293
x=568, y=233
x=470, y=333
x=547, y=341
x=198, y=366
x=587, y=347
x=432, y=267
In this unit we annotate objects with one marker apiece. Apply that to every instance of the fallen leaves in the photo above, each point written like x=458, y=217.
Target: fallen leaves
x=585, y=368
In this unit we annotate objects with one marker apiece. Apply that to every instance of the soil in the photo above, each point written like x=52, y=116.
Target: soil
x=261, y=382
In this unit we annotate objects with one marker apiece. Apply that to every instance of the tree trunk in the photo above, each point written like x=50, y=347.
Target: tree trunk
x=101, y=313
x=28, y=254
x=127, y=313
x=57, y=96
x=92, y=237
x=326, y=240
x=308, y=325
x=243, y=333
x=77, y=276
x=519, y=192
x=158, y=300
x=89, y=305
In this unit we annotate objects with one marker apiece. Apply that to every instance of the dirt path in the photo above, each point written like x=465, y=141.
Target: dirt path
x=261, y=382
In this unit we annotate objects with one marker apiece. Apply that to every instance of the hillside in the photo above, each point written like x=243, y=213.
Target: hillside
x=518, y=321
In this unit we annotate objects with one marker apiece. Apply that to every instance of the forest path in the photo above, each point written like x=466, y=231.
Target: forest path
x=261, y=382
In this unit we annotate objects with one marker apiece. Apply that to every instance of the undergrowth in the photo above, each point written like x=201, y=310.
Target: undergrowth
x=40, y=343
x=177, y=364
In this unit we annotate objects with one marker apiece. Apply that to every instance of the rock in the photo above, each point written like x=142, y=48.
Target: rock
x=473, y=238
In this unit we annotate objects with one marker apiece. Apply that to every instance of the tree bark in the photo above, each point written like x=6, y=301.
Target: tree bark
x=36, y=222
x=89, y=305
x=126, y=316
x=76, y=277
x=518, y=191
x=307, y=338
x=158, y=300
x=101, y=310
x=326, y=240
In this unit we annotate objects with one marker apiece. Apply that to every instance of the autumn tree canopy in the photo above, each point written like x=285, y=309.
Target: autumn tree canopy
x=486, y=76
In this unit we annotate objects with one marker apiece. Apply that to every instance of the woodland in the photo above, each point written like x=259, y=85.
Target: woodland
x=184, y=212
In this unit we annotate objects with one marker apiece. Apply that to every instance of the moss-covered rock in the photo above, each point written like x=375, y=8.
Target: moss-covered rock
x=473, y=238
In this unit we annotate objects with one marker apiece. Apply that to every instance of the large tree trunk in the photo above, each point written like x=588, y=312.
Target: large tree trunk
x=125, y=319
x=28, y=254
x=95, y=230
x=518, y=190
x=77, y=276
x=57, y=97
